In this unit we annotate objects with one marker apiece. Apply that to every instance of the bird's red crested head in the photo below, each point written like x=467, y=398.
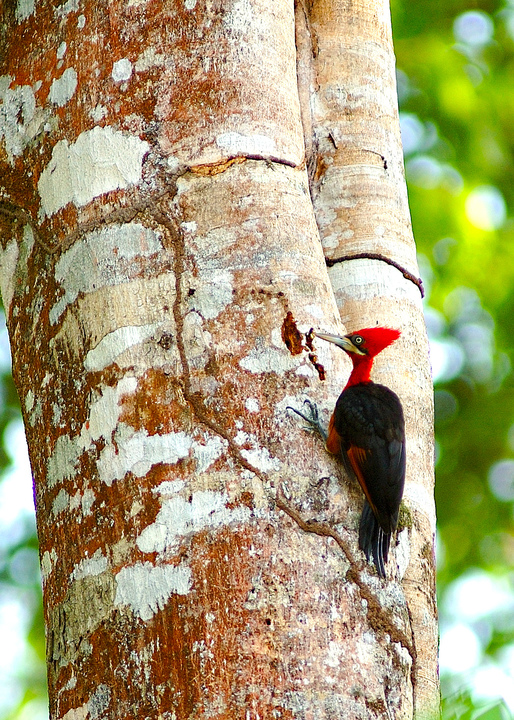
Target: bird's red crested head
x=366, y=343
x=371, y=341
x=362, y=346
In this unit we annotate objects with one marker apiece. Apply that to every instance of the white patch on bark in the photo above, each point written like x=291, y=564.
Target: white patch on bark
x=402, y=552
x=95, y=565
x=92, y=262
x=48, y=563
x=306, y=371
x=121, y=70
x=98, y=113
x=67, y=7
x=276, y=337
x=28, y=243
x=88, y=498
x=95, y=706
x=63, y=89
x=136, y=452
x=179, y=517
x=261, y=459
x=103, y=419
x=332, y=658
x=29, y=400
x=8, y=263
x=197, y=340
x=331, y=241
x=61, y=502
x=257, y=456
x=104, y=412
x=100, y=160
x=207, y=453
x=24, y=8
x=269, y=359
x=37, y=413
x=80, y=713
x=189, y=227
x=146, y=588
x=115, y=343
x=62, y=462
x=169, y=487
x=252, y=405
x=242, y=18
x=99, y=701
x=314, y=310
x=126, y=450
x=20, y=119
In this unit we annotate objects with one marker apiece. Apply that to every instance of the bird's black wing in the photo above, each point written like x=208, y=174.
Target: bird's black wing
x=369, y=420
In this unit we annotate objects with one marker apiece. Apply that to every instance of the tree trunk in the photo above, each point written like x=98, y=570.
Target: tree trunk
x=348, y=87
x=161, y=262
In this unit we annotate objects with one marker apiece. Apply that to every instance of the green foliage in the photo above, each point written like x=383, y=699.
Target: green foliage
x=460, y=706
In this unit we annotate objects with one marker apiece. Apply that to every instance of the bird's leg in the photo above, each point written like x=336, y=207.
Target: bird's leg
x=312, y=418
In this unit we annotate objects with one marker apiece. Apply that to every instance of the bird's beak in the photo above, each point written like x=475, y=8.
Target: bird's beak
x=341, y=341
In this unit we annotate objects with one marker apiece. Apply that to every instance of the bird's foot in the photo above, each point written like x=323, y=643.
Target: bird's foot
x=311, y=418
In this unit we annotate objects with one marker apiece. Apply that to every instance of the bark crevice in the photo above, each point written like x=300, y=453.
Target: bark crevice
x=382, y=258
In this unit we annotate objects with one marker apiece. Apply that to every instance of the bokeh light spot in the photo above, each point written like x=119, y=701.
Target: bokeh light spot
x=501, y=480
x=459, y=650
x=485, y=208
x=473, y=28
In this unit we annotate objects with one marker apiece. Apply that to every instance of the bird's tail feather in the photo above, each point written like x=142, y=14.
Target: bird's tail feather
x=373, y=540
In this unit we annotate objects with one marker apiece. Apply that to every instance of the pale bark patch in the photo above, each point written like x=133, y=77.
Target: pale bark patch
x=180, y=517
x=146, y=588
x=100, y=160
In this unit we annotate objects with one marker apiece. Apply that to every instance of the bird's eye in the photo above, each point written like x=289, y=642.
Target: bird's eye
x=357, y=340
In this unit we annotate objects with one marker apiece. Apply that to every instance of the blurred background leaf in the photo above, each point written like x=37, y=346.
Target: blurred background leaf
x=456, y=90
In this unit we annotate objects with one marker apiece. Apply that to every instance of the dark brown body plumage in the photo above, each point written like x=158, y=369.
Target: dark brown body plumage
x=367, y=429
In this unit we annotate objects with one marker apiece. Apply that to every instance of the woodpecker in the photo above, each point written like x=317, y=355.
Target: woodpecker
x=367, y=431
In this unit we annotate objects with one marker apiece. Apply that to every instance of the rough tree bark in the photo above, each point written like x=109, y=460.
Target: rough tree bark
x=168, y=170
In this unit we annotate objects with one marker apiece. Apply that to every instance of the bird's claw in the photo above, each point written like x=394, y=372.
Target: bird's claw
x=313, y=411
x=312, y=419
x=313, y=416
